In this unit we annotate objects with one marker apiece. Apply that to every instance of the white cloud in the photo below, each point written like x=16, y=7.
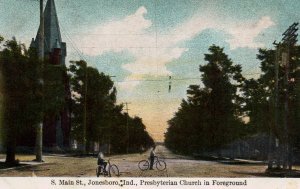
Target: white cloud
x=243, y=35
x=131, y=34
x=153, y=51
x=128, y=33
x=188, y=30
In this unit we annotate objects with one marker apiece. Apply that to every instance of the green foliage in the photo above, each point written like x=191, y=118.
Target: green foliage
x=96, y=96
x=31, y=90
x=256, y=106
x=209, y=118
x=259, y=95
x=21, y=92
x=105, y=122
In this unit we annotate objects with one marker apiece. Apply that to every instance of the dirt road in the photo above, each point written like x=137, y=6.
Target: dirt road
x=183, y=166
x=177, y=166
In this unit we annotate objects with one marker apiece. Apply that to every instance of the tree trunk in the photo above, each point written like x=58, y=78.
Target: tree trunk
x=270, y=153
x=10, y=147
x=39, y=142
x=87, y=146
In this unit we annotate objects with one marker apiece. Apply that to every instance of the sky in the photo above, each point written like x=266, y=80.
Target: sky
x=143, y=42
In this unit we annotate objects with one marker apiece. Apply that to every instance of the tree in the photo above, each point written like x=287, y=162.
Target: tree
x=93, y=92
x=103, y=121
x=260, y=97
x=21, y=91
x=210, y=117
x=218, y=77
x=139, y=137
x=26, y=88
x=257, y=106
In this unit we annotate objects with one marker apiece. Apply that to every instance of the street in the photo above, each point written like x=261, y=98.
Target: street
x=177, y=166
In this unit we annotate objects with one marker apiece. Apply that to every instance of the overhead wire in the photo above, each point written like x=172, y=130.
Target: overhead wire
x=82, y=56
x=73, y=45
x=174, y=79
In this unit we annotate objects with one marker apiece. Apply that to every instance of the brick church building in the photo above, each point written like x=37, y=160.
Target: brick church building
x=56, y=129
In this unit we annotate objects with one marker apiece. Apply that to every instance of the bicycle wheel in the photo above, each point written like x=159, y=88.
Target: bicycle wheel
x=143, y=165
x=161, y=165
x=98, y=171
x=113, y=171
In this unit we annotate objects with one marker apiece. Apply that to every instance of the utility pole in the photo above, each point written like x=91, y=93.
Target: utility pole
x=285, y=61
x=276, y=125
x=289, y=40
x=297, y=91
x=127, y=129
x=272, y=137
x=282, y=52
x=39, y=132
x=85, y=109
x=41, y=34
x=109, y=127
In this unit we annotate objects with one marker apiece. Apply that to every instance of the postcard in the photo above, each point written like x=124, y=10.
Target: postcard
x=149, y=94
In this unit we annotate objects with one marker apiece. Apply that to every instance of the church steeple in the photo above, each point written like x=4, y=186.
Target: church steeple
x=56, y=128
x=52, y=32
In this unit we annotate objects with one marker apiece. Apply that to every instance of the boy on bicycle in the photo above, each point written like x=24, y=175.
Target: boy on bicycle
x=101, y=161
x=152, y=155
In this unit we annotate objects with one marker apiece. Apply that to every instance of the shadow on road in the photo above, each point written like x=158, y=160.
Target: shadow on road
x=229, y=161
x=4, y=165
x=258, y=174
x=24, y=166
x=282, y=174
x=238, y=162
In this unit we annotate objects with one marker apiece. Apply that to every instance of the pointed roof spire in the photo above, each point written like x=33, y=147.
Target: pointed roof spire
x=57, y=44
x=32, y=44
x=51, y=30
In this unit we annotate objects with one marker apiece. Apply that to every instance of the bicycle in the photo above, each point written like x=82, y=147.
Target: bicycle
x=112, y=170
x=158, y=163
